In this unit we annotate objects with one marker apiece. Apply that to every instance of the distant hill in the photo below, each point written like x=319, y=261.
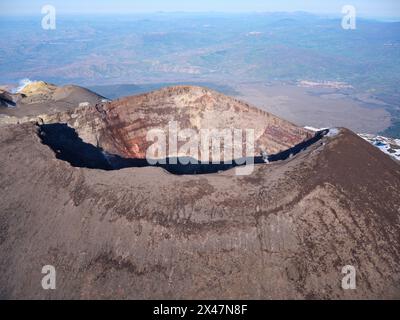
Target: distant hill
x=39, y=97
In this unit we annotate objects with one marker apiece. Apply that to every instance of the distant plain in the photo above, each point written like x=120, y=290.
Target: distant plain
x=260, y=58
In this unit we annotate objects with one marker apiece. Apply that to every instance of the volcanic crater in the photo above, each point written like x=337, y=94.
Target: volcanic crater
x=120, y=127
x=285, y=231
x=113, y=135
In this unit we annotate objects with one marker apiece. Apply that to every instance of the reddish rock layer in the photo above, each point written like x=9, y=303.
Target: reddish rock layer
x=121, y=126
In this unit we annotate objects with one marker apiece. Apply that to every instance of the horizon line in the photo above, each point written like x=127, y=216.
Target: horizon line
x=317, y=14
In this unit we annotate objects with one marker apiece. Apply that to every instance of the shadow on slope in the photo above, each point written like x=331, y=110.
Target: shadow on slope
x=68, y=146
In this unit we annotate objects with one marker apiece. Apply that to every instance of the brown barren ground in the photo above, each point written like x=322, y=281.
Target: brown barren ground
x=283, y=232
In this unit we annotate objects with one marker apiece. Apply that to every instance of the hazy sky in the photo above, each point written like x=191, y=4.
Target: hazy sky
x=368, y=8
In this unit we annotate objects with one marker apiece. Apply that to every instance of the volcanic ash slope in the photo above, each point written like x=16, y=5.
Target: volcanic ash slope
x=283, y=232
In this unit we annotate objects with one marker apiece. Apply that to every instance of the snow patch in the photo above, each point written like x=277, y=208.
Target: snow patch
x=22, y=84
x=333, y=132
x=387, y=145
x=315, y=129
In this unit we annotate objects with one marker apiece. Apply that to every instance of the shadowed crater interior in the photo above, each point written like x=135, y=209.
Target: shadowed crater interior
x=68, y=146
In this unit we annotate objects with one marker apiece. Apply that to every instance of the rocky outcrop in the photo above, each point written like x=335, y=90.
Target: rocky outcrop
x=36, y=88
x=8, y=100
x=40, y=99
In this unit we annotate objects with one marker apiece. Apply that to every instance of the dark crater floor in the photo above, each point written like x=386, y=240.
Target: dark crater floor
x=68, y=146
